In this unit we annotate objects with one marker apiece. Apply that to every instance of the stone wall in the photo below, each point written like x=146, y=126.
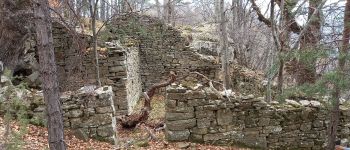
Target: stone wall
x=113, y=72
x=161, y=48
x=202, y=115
x=76, y=66
x=87, y=111
x=133, y=83
x=69, y=51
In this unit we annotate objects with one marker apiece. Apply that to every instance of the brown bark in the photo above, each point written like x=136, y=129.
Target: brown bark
x=134, y=119
x=332, y=130
x=49, y=75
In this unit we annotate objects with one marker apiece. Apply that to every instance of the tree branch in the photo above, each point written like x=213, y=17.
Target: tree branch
x=261, y=17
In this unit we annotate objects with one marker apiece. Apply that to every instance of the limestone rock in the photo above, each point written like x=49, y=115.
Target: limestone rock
x=316, y=104
x=181, y=124
x=179, y=116
x=177, y=135
x=305, y=103
x=224, y=117
x=105, y=131
x=293, y=103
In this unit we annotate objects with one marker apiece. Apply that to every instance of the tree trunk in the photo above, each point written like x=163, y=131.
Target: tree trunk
x=332, y=130
x=103, y=10
x=49, y=75
x=108, y=11
x=136, y=118
x=223, y=46
x=93, y=12
x=217, y=12
x=307, y=70
x=159, y=13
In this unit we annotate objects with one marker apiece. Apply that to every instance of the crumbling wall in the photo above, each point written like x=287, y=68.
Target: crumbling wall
x=87, y=111
x=76, y=66
x=161, y=48
x=202, y=115
x=69, y=50
x=113, y=72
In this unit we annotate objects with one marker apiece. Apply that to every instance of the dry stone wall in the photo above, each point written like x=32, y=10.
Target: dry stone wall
x=112, y=72
x=87, y=111
x=161, y=48
x=202, y=115
x=76, y=67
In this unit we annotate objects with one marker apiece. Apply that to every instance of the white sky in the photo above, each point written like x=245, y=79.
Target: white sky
x=265, y=3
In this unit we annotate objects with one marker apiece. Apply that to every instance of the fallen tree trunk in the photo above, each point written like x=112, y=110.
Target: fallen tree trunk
x=130, y=121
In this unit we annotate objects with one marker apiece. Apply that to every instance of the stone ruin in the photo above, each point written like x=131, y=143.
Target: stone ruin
x=131, y=61
x=140, y=52
x=203, y=115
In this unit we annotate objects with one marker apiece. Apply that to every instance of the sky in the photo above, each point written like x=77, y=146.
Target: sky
x=263, y=4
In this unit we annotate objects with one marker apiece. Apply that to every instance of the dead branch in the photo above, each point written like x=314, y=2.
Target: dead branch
x=134, y=119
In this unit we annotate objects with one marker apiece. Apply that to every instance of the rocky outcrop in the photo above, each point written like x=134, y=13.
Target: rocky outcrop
x=203, y=115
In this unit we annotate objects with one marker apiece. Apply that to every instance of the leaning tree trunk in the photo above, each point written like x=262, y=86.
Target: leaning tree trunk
x=332, y=130
x=134, y=119
x=49, y=75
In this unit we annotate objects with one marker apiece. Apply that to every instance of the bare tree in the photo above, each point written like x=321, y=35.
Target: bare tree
x=103, y=10
x=93, y=12
x=223, y=45
x=49, y=75
x=158, y=9
x=334, y=121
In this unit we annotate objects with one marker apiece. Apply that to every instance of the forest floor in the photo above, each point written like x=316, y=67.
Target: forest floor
x=35, y=138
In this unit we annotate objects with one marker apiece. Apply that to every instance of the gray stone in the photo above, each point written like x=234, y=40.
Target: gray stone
x=75, y=113
x=76, y=122
x=316, y=104
x=195, y=95
x=215, y=137
x=248, y=97
x=317, y=123
x=197, y=102
x=170, y=103
x=176, y=96
x=224, y=117
x=105, y=131
x=103, y=110
x=196, y=138
x=180, y=110
x=203, y=123
x=81, y=134
x=179, y=116
x=305, y=127
x=205, y=114
x=273, y=129
x=305, y=103
x=177, y=135
x=97, y=120
x=264, y=122
x=197, y=130
x=181, y=124
x=293, y=103
x=117, y=69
